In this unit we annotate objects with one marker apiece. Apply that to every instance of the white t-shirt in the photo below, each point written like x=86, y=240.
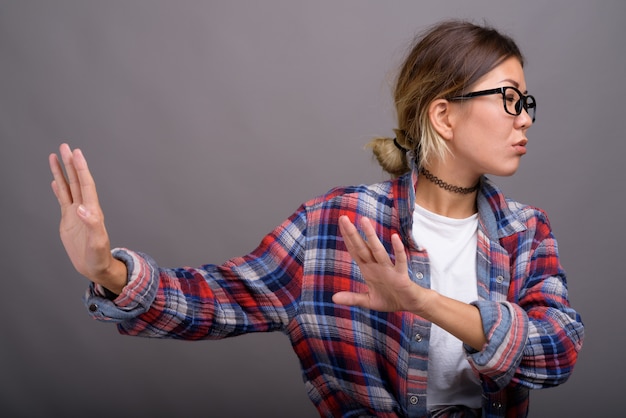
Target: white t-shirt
x=451, y=247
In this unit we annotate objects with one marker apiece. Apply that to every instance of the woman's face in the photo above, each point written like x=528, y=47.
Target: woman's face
x=486, y=139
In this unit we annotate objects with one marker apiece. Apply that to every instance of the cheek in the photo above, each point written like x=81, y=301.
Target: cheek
x=480, y=127
x=477, y=129
x=492, y=129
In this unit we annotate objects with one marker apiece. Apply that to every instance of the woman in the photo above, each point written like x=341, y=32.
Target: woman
x=452, y=303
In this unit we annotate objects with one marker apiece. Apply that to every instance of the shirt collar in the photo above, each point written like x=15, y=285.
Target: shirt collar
x=496, y=213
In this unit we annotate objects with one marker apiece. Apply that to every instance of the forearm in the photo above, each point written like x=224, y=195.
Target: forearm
x=114, y=278
x=458, y=318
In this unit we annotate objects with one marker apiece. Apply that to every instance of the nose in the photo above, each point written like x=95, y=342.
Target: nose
x=523, y=120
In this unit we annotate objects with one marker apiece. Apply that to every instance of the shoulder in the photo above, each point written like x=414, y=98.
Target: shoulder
x=364, y=199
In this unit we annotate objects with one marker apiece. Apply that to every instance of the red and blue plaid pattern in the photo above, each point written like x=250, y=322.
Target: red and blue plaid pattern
x=357, y=362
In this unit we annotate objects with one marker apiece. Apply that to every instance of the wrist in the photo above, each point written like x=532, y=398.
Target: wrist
x=114, y=278
x=426, y=303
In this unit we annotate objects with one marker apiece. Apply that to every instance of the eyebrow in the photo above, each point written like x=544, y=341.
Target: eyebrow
x=515, y=84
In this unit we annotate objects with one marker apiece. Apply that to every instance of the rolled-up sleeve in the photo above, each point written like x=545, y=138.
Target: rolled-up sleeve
x=506, y=327
x=136, y=297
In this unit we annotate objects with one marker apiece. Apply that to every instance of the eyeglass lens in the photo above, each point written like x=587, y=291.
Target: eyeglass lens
x=515, y=103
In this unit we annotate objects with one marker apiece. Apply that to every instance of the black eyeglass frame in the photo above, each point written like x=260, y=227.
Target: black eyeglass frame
x=527, y=101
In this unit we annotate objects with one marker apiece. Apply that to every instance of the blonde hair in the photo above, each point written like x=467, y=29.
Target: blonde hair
x=443, y=62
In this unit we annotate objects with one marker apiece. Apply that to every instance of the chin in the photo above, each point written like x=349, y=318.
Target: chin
x=504, y=172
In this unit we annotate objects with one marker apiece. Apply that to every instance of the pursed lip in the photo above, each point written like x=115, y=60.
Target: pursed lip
x=520, y=146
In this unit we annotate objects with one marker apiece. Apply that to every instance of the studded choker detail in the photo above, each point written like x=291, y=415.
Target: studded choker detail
x=454, y=189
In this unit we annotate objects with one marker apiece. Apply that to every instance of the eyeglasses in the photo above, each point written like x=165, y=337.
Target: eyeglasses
x=513, y=99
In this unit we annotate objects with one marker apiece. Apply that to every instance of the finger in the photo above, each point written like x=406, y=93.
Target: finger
x=355, y=244
x=55, y=189
x=74, y=184
x=376, y=247
x=59, y=184
x=85, y=179
x=351, y=299
x=398, y=251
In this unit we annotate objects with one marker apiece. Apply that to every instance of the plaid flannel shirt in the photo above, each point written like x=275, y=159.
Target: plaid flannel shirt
x=357, y=362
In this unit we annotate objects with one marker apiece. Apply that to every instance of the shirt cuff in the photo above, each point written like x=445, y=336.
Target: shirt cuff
x=136, y=297
x=506, y=327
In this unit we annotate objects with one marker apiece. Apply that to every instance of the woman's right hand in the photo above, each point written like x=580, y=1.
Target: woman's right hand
x=82, y=229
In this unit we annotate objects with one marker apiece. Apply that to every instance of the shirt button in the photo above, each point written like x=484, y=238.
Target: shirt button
x=419, y=275
x=93, y=307
x=413, y=399
x=499, y=279
x=497, y=405
x=418, y=338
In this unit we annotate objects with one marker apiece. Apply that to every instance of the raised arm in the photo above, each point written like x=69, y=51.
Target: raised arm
x=390, y=288
x=82, y=229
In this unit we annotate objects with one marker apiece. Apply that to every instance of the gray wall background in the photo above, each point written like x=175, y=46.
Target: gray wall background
x=207, y=123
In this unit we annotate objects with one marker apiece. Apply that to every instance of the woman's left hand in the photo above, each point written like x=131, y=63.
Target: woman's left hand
x=389, y=287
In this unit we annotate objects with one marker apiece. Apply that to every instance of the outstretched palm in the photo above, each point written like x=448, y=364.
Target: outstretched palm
x=82, y=229
x=389, y=287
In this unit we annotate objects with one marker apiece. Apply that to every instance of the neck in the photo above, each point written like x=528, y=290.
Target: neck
x=445, y=198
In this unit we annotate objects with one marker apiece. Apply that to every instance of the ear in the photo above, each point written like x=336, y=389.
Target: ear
x=439, y=113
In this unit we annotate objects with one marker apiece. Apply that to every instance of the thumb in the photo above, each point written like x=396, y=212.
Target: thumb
x=351, y=299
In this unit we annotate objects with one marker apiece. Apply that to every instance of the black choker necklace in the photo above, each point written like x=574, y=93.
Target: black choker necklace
x=455, y=189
